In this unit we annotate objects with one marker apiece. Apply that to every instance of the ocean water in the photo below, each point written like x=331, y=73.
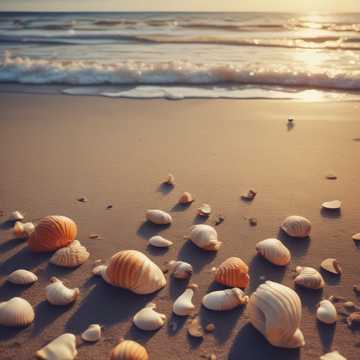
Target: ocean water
x=184, y=55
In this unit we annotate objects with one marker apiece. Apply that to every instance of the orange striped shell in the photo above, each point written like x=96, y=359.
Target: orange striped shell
x=129, y=350
x=233, y=272
x=52, y=233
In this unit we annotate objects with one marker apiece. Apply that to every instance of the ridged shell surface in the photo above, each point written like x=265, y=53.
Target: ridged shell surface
x=205, y=237
x=233, y=272
x=297, y=226
x=309, y=277
x=148, y=319
x=61, y=348
x=129, y=350
x=16, y=312
x=223, y=300
x=326, y=312
x=22, y=277
x=158, y=217
x=70, y=256
x=274, y=251
x=58, y=294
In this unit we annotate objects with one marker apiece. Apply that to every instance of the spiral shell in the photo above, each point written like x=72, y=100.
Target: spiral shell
x=129, y=350
x=158, y=217
x=309, y=277
x=205, y=237
x=16, y=312
x=186, y=198
x=326, y=312
x=233, y=272
x=223, y=300
x=52, y=233
x=180, y=269
x=92, y=333
x=275, y=311
x=70, y=256
x=297, y=226
x=61, y=348
x=148, y=319
x=159, y=241
x=22, y=277
x=183, y=305
x=58, y=294
x=23, y=230
x=274, y=251
x=133, y=270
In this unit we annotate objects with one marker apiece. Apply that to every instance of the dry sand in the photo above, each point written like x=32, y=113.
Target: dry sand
x=55, y=149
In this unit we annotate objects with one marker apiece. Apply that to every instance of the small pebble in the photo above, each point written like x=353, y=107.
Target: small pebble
x=82, y=199
x=94, y=236
x=331, y=177
x=250, y=195
x=210, y=327
x=253, y=221
x=219, y=220
x=109, y=207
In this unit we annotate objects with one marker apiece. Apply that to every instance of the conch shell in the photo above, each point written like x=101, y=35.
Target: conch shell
x=274, y=251
x=22, y=277
x=58, y=294
x=52, y=233
x=183, y=305
x=205, y=237
x=16, y=312
x=296, y=226
x=133, y=270
x=92, y=333
x=148, y=319
x=233, y=272
x=158, y=217
x=308, y=277
x=70, y=256
x=180, y=269
x=23, y=230
x=326, y=312
x=61, y=348
x=129, y=350
x=159, y=241
x=186, y=198
x=223, y=300
x=275, y=310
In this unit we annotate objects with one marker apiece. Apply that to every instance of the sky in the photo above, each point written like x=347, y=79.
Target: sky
x=182, y=5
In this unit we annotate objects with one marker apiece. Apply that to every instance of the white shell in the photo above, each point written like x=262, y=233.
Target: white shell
x=274, y=251
x=99, y=269
x=62, y=348
x=204, y=210
x=205, y=237
x=275, y=310
x=23, y=230
x=180, y=269
x=22, y=277
x=296, y=226
x=92, y=333
x=356, y=237
x=326, y=312
x=223, y=300
x=334, y=355
x=183, y=305
x=148, y=319
x=309, y=277
x=159, y=241
x=332, y=205
x=16, y=312
x=58, y=294
x=158, y=217
x=70, y=256
x=16, y=216
x=331, y=265
x=170, y=180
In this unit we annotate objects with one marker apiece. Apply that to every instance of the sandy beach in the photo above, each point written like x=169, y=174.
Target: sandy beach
x=55, y=149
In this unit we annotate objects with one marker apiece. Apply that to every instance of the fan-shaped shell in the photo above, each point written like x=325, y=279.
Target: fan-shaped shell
x=70, y=256
x=296, y=226
x=223, y=300
x=16, y=216
x=158, y=217
x=58, y=294
x=186, y=198
x=16, y=312
x=129, y=350
x=159, y=241
x=334, y=355
x=23, y=230
x=132, y=270
x=61, y=348
x=331, y=205
x=309, y=277
x=148, y=319
x=326, y=312
x=22, y=277
x=274, y=251
x=180, y=269
x=92, y=333
x=205, y=237
x=232, y=272
x=52, y=233
x=275, y=311
x=183, y=305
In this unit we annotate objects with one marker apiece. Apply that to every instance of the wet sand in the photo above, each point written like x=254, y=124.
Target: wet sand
x=55, y=149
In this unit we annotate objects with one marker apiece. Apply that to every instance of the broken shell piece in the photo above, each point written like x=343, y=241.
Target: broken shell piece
x=205, y=237
x=356, y=237
x=186, y=198
x=232, y=272
x=332, y=266
x=332, y=205
x=353, y=319
x=63, y=347
x=70, y=256
x=183, y=305
x=194, y=328
x=148, y=319
x=158, y=217
x=58, y=294
x=334, y=355
x=250, y=195
x=180, y=269
x=204, y=210
x=129, y=350
x=224, y=299
x=16, y=216
x=99, y=269
x=170, y=180
x=309, y=277
x=23, y=230
x=92, y=333
x=331, y=176
x=296, y=226
x=219, y=220
x=159, y=241
x=326, y=312
x=356, y=288
x=22, y=277
x=274, y=251
x=16, y=312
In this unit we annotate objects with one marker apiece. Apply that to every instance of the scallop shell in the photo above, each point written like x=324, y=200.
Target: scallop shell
x=180, y=269
x=16, y=312
x=22, y=277
x=331, y=265
x=158, y=217
x=224, y=299
x=331, y=205
x=129, y=350
x=297, y=226
x=16, y=216
x=204, y=210
x=92, y=333
x=133, y=270
x=326, y=312
x=274, y=251
x=309, y=277
x=275, y=311
x=186, y=198
x=170, y=180
x=61, y=348
x=183, y=305
x=70, y=256
x=58, y=294
x=334, y=355
x=148, y=319
x=23, y=230
x=232, y=272
x=159, y=241
x=205, y=237
x=52, y=233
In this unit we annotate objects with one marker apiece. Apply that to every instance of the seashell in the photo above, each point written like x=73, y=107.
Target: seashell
x=170, y=180
x=194, y=328
x=308, y=277
x=158, y=217
x=326, y=312
x=159, y=241
x=70, y=256
x=275, y=311
x=331, y=205
x=204, y=210
x=16, y=216
x=186, y=198
x=133, y=270
x=250, y=195
x=61, y=348
x=296, y=226
x=183, y=305
x=334, y=355
x=52, y=233
x=205, y=237
x=224, y=299
x=356, y=237
x=148, y=319
x=16, y=312
x=274, y=251
x=353, y=319
x=23, y=230
x=129, y=350
x=331, y=265
x=180, y=269
x=232, y=272
x=92, y=333
x=22, y=277
x=58, y=294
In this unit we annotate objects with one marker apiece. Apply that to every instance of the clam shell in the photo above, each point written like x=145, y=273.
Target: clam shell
x=58, y=294
x=334, y=355
x=204, y=210
x=22, y=277
x=16, y=216
x=92, y=333
x=158, y=217
x=205, y=237
x=183, y=305
x=296, y=226
x=23, y=230
x=356, y=237
x=180, y=269
x=233, y=272
x=223, y=300
x=331, y=265
x=129, y=350
x=332, y=205
x=61, y=348
x=70, y=256
x=16, y=312
x=159, y=241
x=274, y=251
x=186, y=198
x=148, y=319
x=326, y=312
x=309, y=277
